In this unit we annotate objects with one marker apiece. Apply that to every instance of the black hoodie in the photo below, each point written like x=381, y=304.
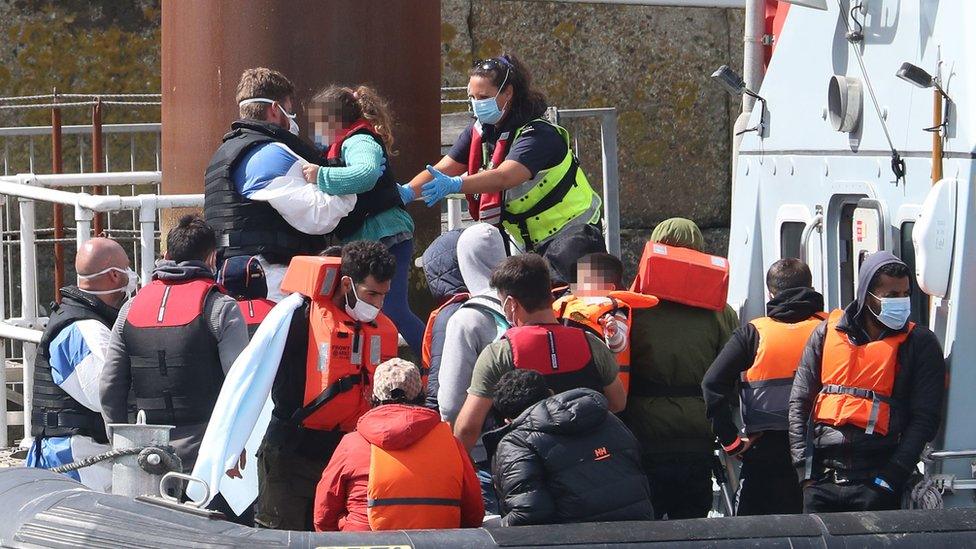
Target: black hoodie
x=567, y=459
x=916, y=409
x=739, y=354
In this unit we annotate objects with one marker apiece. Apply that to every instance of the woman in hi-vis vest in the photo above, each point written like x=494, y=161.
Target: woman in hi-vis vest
x=516, y=168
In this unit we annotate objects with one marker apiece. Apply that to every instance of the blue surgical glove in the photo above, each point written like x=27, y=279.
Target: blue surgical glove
x=883, y=484
x=406, y=193
x=442, y=185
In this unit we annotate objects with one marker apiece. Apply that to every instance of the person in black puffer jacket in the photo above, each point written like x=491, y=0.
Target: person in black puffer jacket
x=565, y=459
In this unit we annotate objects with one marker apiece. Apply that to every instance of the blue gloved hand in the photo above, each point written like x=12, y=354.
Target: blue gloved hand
x=442, y=185
x=406, y=194
x=883, y=484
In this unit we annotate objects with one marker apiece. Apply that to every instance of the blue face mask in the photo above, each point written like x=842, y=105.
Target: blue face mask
x=487, y=110
x=894, y=311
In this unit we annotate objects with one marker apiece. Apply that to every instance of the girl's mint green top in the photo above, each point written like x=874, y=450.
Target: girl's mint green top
x=364, y=161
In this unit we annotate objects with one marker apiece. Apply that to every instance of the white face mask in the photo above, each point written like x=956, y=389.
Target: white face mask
x=363, y=312
x=292, y=125
x=129, y=289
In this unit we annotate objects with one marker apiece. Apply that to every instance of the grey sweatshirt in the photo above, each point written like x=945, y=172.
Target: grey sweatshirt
x=227, y=326
x=469, y=331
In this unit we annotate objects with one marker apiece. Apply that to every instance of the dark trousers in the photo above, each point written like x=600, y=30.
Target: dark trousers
x=827, y=496
x=768, y=483
x=287, y=478
x=681, y=485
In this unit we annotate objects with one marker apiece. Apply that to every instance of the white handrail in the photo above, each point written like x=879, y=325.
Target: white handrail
x=29, y=188
x=17, y=333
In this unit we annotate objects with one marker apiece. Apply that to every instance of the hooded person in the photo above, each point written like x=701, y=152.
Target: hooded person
x=446, y=285
x=475, y=325
x=672, y=345
x=867, y=396
x=758, y=363
x=401, y=468
x=564, y=458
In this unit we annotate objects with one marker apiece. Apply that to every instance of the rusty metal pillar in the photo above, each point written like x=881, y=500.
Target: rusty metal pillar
x=98, y=158
x=393, y=45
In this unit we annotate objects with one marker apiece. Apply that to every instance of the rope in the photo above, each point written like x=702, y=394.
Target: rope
x=925, y=495
x=78, y=95
x=111, y=454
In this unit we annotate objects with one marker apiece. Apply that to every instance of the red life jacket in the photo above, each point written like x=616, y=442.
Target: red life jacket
x=560, y=353
x=683, y=275
x=342, y=353
x=486, y=207
x=254, y=312
x=175, y=365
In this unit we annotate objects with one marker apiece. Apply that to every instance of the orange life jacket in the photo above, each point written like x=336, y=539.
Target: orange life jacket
x=683, y=275
x=576, y=311
x=417, y=487
x=427, y=347
x=857, y=379
x=764, y=388
x=342, y=353
x=254, y=312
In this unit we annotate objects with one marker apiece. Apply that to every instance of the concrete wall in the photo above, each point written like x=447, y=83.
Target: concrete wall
x=653, y=65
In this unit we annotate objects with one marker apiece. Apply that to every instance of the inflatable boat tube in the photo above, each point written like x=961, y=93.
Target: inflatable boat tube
x=44, y=509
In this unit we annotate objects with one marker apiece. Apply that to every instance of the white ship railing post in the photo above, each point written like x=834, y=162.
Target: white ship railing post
x=28, y=296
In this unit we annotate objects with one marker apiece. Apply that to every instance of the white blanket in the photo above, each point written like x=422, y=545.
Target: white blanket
x=242, y=412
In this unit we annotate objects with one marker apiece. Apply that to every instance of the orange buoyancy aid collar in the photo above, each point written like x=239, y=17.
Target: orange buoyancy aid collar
x=857, y=380
x=683, y=275
x=576, y=311
x=335, y=149
x=486, y=207
x=342, y=353
x=417, y=487
x=764, y=390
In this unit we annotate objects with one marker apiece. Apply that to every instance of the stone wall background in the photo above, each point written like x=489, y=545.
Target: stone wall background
x=651, y=63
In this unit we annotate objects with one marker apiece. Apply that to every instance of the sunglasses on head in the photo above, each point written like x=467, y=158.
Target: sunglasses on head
x=493, y=63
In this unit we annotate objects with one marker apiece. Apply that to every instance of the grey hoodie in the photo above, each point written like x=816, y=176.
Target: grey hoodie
x=227, y=326
x=469, y=331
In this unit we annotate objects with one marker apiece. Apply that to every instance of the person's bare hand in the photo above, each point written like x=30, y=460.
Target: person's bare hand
x=311, y=172
x=241, y=462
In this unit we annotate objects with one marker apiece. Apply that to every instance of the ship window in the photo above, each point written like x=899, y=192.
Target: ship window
x=790, y=234
x=848, y=268
x=920, y=300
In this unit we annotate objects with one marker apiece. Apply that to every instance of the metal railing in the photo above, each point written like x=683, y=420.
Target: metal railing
x=27, y=189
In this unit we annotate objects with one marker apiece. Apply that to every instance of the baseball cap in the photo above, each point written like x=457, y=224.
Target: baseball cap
x=397, y=379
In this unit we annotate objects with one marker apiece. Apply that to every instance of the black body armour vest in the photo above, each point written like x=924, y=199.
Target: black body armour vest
x=54, y=412
x=246, y=227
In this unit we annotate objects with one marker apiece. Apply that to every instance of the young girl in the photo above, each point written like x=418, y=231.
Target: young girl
x=354, y=127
